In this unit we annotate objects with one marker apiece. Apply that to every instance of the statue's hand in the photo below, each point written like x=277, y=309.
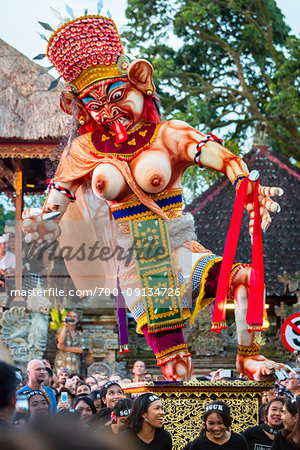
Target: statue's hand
x=39, y=226
x=266, y=204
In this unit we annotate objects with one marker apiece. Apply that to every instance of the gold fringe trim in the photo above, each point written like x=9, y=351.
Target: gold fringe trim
x=218, y=326
x=235, y=269
x=253, y=328
x=171, y=353
x=201, y=303
x=129, y=156
x=142, y=321
x=169, y=350
x=172, y=214
x=132, y=200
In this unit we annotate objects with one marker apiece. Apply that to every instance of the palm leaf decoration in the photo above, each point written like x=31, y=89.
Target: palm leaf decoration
x=57, y=318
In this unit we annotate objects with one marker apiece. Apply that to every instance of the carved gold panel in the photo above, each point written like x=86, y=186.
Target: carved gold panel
x=185, y=402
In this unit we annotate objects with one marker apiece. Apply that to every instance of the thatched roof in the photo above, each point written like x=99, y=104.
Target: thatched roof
x=27, y=110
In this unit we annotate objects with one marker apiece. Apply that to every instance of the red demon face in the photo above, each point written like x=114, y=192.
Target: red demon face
x=115, y=105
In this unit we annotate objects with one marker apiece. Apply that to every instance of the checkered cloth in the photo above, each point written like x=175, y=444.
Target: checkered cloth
x=31, y=280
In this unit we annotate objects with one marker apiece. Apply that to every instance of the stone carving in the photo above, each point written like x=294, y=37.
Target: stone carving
x=25, y=330
x=201, y=340
x=103, y=368
x=101, y=339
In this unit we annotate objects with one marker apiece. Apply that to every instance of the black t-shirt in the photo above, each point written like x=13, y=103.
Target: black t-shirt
x=257, y=439
x=162, y=440
x=280, y=443
x=236, y=442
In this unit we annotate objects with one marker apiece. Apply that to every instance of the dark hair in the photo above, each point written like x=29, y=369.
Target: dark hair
x=125, y=404
x=95, y=395
x=103, y=416
x=293, y=407
x=81, y=383
x=91, y=376
x=86, y=399
x=220, y=408
x=104, y=389
x=77, y=375
x=64, y=389
x=262, y=413
x=8, y=384
x=50, y=371
x=139, y=407
x=276, y=399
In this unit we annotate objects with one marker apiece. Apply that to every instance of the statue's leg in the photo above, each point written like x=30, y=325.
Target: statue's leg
x=249, y=361
x=199, y=269
x=171, y=353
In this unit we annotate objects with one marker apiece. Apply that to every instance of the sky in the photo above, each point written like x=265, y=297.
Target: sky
x=19, y=19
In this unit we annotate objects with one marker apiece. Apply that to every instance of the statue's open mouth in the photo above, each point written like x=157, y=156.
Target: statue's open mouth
x=120, y=124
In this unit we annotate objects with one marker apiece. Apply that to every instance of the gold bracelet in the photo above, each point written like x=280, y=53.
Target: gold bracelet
x=246, y=350
x=237, y=181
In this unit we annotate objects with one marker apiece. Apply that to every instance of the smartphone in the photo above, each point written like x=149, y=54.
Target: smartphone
x=280, y=375
x=64, y=397
x=226, y=373
x=21, y=403
x=69, y=384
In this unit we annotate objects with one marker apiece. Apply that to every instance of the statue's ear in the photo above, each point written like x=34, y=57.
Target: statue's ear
x=140, y=76
x=66, y=102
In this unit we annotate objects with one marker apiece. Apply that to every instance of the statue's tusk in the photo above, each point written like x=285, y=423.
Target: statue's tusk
x=51, y=215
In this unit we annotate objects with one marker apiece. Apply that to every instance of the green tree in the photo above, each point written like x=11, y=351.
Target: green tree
x=222, y=64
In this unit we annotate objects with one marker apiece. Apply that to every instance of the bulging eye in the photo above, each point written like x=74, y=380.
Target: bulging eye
x=94, y=107
x=117, y=94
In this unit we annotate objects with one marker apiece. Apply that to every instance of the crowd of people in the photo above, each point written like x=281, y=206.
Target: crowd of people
x=101, y=410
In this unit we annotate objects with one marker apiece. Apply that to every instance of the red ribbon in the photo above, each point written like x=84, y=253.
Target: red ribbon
x=256, y=288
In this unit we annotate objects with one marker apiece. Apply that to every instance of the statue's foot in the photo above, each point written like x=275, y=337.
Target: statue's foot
x=257, y=367
x=179, y=369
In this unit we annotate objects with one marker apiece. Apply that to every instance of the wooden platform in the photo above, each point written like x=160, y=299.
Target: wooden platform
x=184, y=404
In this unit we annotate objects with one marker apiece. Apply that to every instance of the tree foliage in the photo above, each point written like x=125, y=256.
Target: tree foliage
x=222, y=64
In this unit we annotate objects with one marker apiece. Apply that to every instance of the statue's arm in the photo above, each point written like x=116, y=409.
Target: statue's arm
x=213, y=155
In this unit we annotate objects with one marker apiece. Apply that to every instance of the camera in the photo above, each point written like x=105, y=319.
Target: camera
x=226, y=373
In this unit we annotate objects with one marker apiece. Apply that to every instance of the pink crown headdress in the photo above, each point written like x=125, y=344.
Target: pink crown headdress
x=86, y=50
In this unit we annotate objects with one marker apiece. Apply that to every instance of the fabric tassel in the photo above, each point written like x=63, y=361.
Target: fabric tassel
x=122, y=320
x=219, y=316
x=256, y=288
x=255, y=312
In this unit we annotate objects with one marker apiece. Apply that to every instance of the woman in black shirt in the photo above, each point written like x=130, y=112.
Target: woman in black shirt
x=289, y=437
x=145, y=424
x=261, y=436
x=216, y=434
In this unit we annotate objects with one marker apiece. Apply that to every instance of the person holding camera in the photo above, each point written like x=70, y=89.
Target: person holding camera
x=69, y=344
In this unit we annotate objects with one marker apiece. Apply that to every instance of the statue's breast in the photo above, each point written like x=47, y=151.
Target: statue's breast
x=152, y=171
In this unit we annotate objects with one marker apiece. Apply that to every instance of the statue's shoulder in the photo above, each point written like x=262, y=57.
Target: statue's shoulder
x=81, y=142
x=175, y=125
